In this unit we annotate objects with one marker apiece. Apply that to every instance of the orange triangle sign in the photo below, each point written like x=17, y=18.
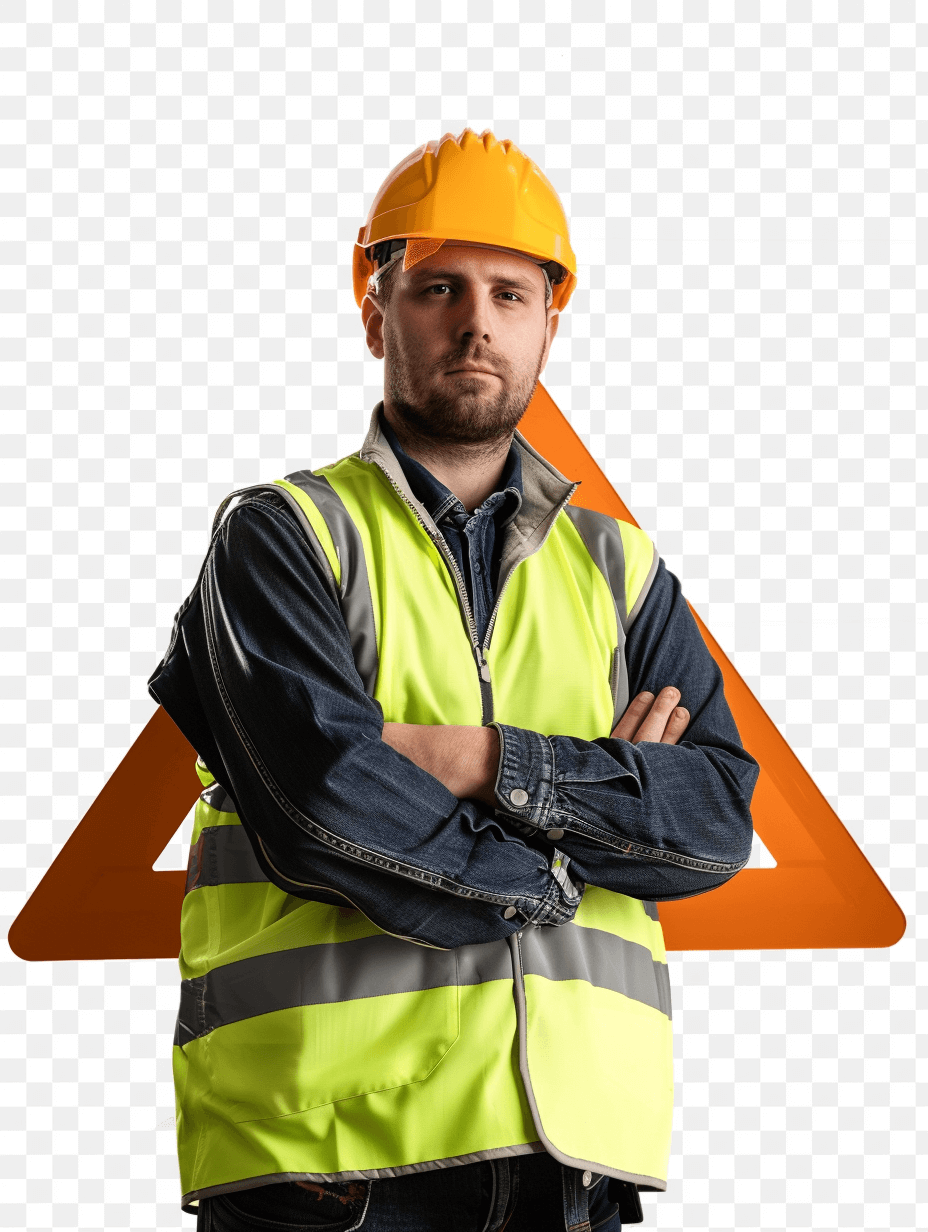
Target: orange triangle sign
x=101, y=897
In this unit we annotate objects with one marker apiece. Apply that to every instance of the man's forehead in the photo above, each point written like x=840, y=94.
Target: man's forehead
x=479, y=259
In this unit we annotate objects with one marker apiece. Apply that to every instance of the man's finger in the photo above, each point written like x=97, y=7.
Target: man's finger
x=676, y=725
x=654, y=725
x=631, y=719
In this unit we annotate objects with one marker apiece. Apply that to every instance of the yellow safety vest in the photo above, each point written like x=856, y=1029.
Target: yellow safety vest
x=310, y=1043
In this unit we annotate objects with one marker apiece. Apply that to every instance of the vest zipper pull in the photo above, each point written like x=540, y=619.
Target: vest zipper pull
x=484, y=667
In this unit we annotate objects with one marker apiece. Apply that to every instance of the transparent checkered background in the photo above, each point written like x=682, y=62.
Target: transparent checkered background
x=180, y=188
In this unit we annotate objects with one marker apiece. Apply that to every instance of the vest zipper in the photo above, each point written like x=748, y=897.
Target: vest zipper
x=483, y=669
x=499, y=598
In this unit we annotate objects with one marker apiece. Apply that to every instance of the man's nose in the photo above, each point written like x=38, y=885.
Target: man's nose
x=473, y=317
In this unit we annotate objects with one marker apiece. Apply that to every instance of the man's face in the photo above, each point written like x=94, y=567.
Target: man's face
x=464, y=336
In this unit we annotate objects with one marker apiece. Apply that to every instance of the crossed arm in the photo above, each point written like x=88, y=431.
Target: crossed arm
x=402, y=821
x=466, y=759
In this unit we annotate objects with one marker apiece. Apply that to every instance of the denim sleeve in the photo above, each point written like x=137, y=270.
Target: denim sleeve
x=261, y=679
x=655, y=821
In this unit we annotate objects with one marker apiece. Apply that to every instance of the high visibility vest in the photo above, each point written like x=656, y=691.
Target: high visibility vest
x=310, y=1043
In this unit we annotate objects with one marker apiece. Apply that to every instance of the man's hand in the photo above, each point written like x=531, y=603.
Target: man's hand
x=653, y=718
x=464, y=759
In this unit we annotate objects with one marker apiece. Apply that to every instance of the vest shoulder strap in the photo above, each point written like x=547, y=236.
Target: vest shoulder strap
x=340, y=540
x=336, y=543
x=627, y=559
x=624, y=555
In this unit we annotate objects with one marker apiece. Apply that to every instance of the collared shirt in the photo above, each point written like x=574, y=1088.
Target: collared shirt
x=475, y=539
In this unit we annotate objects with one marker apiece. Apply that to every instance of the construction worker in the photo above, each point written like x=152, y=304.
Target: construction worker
x=456, y=736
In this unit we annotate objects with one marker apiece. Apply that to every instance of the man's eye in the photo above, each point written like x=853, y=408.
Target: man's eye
x=438, y=287
x=512, y=295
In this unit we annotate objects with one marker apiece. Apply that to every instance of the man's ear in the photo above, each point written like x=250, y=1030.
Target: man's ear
x=372, y=316
x=554, y=318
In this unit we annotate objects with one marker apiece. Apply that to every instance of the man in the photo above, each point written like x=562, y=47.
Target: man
x=424, y=980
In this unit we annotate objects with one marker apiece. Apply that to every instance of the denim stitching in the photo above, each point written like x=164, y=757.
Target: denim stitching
x=627, y=846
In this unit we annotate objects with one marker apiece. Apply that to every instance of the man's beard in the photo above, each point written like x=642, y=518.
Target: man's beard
x=466, y=418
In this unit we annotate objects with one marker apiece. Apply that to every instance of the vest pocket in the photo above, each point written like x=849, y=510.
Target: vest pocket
x=311, y=1055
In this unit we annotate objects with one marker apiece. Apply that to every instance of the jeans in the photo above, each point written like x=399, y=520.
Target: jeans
x=521, y=1193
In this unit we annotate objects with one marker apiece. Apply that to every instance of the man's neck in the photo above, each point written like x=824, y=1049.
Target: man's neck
x=471, y=472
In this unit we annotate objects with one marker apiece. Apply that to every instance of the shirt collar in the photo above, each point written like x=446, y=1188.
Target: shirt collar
x=438, y=500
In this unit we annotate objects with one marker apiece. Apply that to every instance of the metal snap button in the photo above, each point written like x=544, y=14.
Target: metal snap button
x=554, y=834
x=519, y=797
x=509, y=913
x=587, y=1177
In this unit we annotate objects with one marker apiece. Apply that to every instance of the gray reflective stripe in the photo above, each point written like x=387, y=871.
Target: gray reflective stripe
x=643, y=593
x=381, y=965
x=222, y=854
x=334, y=972
x=602, y=959
x=354, y=592
x=365, y=1174
x=603, y=540
x=650, y=910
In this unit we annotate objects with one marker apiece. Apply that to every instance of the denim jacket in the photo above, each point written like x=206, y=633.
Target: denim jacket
x=261, y=636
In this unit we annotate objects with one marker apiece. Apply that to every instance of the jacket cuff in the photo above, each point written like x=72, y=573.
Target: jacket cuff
x=525, y=780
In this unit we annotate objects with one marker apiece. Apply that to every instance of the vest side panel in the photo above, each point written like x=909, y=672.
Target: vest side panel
x=342, y=1068
x=619, y=1048
x=458, y=1108
x=258, y=918
x=622, y=916
x=427, y=672
x=551, y=651
x=224, y=919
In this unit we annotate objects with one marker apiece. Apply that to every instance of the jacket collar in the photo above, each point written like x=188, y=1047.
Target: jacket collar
x=545, y=492
x=439, y=500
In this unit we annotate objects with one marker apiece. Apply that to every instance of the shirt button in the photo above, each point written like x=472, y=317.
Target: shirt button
x=587, y=1177
x=509, y=913
x=519, y=797
x=554, y=834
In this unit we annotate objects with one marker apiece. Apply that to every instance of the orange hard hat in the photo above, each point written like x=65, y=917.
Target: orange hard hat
x=469, y=188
